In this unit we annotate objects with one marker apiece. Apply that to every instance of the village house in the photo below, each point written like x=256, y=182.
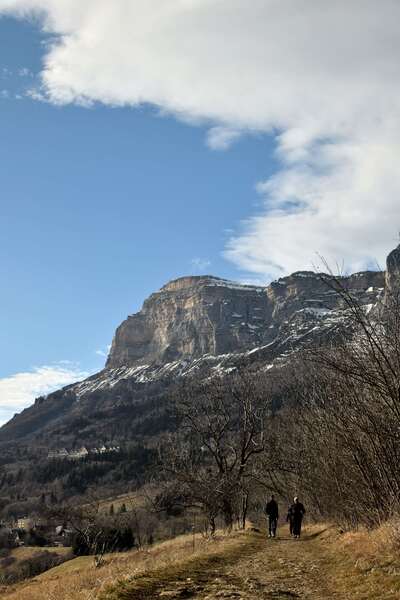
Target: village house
x=59, y=454
x=25, y=523
x=78, y=454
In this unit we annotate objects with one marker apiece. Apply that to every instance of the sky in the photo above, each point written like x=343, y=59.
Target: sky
x=145, y=140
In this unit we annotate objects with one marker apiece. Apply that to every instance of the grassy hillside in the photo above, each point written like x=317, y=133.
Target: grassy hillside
x=26, y=561
x=323, y=564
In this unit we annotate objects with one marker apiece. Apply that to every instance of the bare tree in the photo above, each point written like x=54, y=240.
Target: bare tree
x=340, y=430
x=209, y=462
x=95, y=532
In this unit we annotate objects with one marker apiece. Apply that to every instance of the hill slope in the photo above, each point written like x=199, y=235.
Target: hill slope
x=323, y=564
x=192, y=325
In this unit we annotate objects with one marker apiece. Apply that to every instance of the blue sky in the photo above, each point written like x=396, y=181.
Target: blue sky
x=144, y=141
x=100, y=207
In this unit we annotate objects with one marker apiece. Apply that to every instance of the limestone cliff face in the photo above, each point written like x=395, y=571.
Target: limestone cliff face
x=195, y=316
x=190, y=317
x=393, y=271
x=193, y=325
x=306, y=289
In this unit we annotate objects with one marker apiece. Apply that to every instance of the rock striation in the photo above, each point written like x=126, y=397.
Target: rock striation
x=203, y=325
x=393, y=272
x=195, y=316
x=190, y=317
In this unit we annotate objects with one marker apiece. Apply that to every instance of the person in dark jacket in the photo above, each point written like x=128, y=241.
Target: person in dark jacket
x=272, y=512
x=289, y=519
x=297, y=511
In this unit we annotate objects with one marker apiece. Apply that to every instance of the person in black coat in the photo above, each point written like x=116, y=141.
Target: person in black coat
x=272, y=512
x=289, y=519
x=297, y=512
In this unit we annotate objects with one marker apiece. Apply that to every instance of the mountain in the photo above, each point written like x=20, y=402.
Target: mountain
x=191, y=317
x=201, y=325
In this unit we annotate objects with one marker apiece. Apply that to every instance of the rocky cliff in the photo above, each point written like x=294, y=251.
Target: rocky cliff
x=195, y=316
x=393, y=271
x=190, y=317
x=203, y=325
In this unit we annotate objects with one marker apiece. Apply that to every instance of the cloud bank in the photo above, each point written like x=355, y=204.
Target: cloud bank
x=20, y=390
x=322, y=77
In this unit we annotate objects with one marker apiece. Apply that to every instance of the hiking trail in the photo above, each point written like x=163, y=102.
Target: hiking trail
x=256, y=568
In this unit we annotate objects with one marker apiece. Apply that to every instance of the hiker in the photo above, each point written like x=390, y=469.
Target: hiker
x=272, y=512
x=289, y=519
x=297, y=511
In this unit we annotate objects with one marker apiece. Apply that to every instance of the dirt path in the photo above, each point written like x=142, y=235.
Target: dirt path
x=282, y=568
x=257, y=568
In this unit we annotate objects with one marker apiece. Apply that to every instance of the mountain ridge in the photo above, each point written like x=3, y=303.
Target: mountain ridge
x=196, y=315
x=200, y=325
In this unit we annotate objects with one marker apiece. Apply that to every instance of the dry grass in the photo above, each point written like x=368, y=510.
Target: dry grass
x=79, y=579
x=24, y=552
x=355, y=566
x=27, y=554
x=360, y=565
x=186, y=576
x=132, y=500
x=365, y=565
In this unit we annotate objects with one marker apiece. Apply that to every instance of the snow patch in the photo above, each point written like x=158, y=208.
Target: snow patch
x=317, y=312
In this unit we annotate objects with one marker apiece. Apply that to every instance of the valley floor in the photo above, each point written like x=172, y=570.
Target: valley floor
x=323, y=565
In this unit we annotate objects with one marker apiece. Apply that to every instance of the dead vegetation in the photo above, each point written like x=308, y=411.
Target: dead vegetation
x=324, y=564
x=208, y=463
x=26, y=562
x=80, y=579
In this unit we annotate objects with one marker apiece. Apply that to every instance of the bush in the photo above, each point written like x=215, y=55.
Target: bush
x=393, y=533
x=33, y=538
x=7, y=561
x=7, y=539
x=30, y=567
x=44, y=561
x=103, y=540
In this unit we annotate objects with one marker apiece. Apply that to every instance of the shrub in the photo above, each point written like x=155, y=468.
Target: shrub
x=7, y=539
x=106, y=539
x=393, y=533
x=39, y=563
x=7, y=561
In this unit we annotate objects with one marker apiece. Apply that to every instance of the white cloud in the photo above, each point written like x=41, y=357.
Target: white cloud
x=25, y=72
x=36, y=94
x=19, y=390
x=222, y=138
x=103, y=352
x=200, y=264
x=343, y=205
x=322, y=77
